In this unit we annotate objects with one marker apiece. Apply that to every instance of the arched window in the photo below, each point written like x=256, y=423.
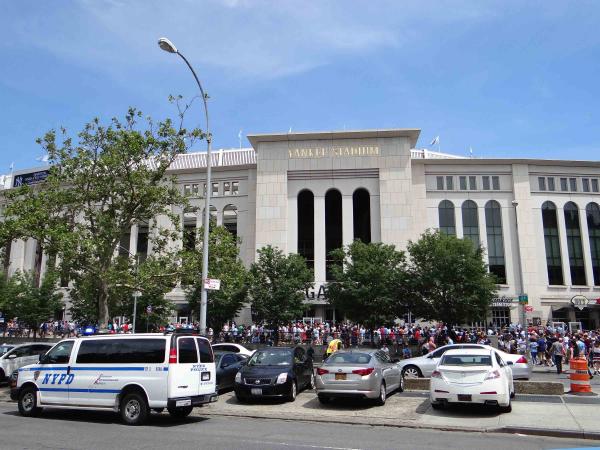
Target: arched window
x=306, y=227
x=333, y=227
x=230, y=218
x=593, y=222
x=189, y=229
x=361, y=211
x=470, y=222
x=552, y=244
x=574, y=244
x=447, y=220
x=495, y=241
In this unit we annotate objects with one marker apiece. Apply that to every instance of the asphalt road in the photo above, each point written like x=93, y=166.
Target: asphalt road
x=89, y=429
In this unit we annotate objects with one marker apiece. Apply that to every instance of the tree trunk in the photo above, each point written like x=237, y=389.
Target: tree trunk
x=37, y=266
x=103, y=314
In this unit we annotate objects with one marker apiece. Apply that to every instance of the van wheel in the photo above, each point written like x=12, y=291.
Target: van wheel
x=28, y=403
x=181, y=412
x=134, y=409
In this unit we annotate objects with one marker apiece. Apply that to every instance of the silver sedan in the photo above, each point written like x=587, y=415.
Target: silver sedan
x=422, y=366
x=358, y=374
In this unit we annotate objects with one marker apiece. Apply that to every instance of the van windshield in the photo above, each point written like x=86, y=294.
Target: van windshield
x=271, y=358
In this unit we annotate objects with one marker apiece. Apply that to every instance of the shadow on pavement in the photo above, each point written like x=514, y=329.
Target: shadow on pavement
x=340, y=404
x=108, y=417
x=465, y=411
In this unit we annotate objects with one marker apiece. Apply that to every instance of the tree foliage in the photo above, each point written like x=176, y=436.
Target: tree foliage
x=224, y=264
x=277, y=286
x=371, y=283
x=108, y=179
x=450, y=278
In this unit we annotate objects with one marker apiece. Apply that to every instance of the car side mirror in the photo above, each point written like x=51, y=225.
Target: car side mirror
x=12, y=356
x=509, y=363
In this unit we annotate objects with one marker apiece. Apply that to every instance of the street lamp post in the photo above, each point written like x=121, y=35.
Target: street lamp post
x=136, y=294
x=515, y=203
x=166, y=45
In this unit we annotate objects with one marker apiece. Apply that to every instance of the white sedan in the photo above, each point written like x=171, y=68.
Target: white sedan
x=472, y=376
x=232, y=348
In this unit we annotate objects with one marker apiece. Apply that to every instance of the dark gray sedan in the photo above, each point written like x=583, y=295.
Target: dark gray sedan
x=358, y=374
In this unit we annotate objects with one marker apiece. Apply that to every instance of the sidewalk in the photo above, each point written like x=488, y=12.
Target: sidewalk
x=544, y=373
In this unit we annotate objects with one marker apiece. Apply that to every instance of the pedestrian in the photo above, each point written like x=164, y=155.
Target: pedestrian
x=533, y=349
x=596, y=357
x=558, y=352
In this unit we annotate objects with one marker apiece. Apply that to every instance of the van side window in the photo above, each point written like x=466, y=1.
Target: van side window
x=187, y=351
x=206, y=353
x=60, y=354
x=121, y=351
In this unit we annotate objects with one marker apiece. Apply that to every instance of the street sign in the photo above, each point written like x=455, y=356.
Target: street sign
x=524, y=299
x=149, y=309
x=212, y=284
x=529, y=308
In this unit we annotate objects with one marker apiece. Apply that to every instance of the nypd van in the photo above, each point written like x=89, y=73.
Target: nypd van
x=130, y=374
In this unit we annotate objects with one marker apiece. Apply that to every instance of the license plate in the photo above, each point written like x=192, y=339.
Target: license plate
x=340, y=376
x=256, y=391
x=187, y=402
x=464, y=397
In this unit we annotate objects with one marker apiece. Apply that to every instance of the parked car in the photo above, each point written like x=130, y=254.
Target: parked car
x=359, y=374
x=472, y=376
x=232, y=348
x=275, y=372
x=4, y=348
x=423, y=366
x=227, y=365
x=19, y=356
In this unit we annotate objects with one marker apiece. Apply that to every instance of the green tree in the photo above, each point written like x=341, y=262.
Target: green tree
x=371, y=283
x=224, y=264
x=277, y=286
x=450, y=278
x=110, y=179
x=34, y=304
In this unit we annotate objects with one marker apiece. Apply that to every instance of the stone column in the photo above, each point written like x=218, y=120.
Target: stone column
x=585, y=243
x=375, y=219
x=564, y=249
x=458, y=220
x=319, y=238
x=347, y=220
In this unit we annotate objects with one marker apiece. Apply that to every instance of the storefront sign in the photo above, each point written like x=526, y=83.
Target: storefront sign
x=503, y=301
x=30, y=178
x=332, y=152
x=579, y=301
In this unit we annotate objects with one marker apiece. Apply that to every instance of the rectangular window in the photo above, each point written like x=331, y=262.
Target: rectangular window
x=473, y=183
x=188, y=354
x=551, y=186
x=563, y=185
x=573, y=184
x=496, y=183
x=206, y=353
x=542, y=183
x=226, y=188
x=449, y=183
x=122, y=351
x=486, y=183
x=462, y=181
x=187, y=189
x=215, y=189
x=440, y=183
x=594, y=184
x=235, y=187
x=585, y=183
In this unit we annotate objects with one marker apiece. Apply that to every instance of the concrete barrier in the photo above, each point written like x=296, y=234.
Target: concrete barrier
x=521, y=387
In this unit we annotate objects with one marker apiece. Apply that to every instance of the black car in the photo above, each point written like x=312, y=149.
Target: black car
x=275, y=372
x=227, y=365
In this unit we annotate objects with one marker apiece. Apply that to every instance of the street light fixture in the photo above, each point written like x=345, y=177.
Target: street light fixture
x=166, y=45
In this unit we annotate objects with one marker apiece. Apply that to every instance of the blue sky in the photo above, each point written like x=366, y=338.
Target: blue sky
x=507, y=78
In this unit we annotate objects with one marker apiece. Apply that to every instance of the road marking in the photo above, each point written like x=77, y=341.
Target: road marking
x=287, y=444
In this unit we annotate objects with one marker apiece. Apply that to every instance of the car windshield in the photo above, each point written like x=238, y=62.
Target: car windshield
x=271, y=358
x=467, y=360
x=5, y=349
x=348, y=358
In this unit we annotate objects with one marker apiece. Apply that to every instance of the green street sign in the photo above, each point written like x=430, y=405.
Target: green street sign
x=523, y=299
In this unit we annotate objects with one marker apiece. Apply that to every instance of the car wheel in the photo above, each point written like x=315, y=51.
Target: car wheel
x=134, y=409
x=293, y=392
x=401, y=386
x=382, y=395
x=2, y=375
x=412, y=372
x=506, y=409
x=324, y=400
x=311, y=383
x=437, y=406
x=181, y=412
x=28, y=402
